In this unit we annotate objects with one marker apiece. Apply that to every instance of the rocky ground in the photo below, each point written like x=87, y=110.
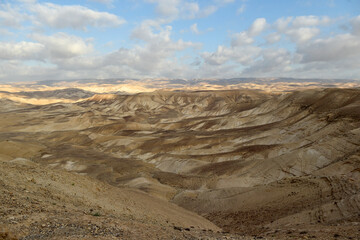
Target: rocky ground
x=244, y=164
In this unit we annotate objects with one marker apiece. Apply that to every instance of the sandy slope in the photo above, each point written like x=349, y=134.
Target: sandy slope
x=251, y=162
x=39, y=203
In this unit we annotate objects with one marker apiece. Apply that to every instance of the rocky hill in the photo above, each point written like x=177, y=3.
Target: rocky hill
x=272, y=165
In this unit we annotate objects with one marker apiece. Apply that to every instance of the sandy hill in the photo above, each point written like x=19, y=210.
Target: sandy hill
x=272, y=165
x=40, y=203
x=45, y=96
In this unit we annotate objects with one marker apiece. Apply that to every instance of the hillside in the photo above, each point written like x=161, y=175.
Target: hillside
x=283, y=165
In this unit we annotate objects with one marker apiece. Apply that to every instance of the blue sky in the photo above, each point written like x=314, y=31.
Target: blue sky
x=188, y=39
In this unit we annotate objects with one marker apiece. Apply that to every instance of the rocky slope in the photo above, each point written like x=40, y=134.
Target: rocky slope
x=284, y=165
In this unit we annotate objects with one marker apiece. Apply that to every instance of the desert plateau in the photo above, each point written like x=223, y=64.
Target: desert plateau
x=180, y=162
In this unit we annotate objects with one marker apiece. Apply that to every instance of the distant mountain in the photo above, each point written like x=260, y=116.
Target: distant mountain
x=190, y=82
x=67, y=93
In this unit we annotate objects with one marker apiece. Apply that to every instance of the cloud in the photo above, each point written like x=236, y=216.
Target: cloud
x=246, y=37
x=355, y=24
x=307, y=21
x=10, y=16
x=257, y=27
x=302, y=34
x=156, y=56
x=273, y=37
x=272, y=62
x=175, y=9
x=194, y=28
x=224, y=1
x=240, y=39
x=72, y=16
x=244, y=55
x=46, y=48
x=282, y=23
x=189, y=10
x=145, y=31
x=241, y=9
x=166, y=8
x=62, y=45
x=290, y=23
x=302, y=28
x=337, y=48
x=27, y=1
x=258, y=60
x=107, y=2
x=79, y=63
x=21, y=51
x=221, y=56
x=208, y=11
x=15, y=70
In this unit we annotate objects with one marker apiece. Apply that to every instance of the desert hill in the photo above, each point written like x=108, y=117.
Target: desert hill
x=45, y=96
x=67, y=93
x=40, y=203
x=284, y=165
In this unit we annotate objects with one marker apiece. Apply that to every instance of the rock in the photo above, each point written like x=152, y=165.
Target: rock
x=177, y=228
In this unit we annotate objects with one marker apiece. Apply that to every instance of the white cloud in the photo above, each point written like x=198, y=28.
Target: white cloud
x=299, y=29
x=240, y=39
x=355, y=23
x=10, y=16
x=282, y=23
x=18, y=71
x=194, y=28
x=335, y=56
x=208, y=11
x=302, y=34
x=74, y=16
x=46, y=48
x=4, y=32
x=156, y=57
x=224, y=1
x=166, y=8
x=27, y=1
x=175, y=9
x=21, y=51
x=246, y=37
x=272, y=63
x=244, y=55
x=62, y=45
x=145, y=31
x=273, y=37
x=189, y=10
x=241, y=9
x=107, y=2
x=257, y=27
x=308, y=21
x=221, y=56
x=337, y=48
x=290, y=23
x=80, y=63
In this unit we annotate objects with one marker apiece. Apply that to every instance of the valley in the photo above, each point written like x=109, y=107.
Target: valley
x=222, y=164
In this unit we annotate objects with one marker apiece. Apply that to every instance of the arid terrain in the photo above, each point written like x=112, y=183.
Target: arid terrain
x=181, y=163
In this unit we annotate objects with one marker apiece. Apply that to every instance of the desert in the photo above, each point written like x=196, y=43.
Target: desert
x=181, y=164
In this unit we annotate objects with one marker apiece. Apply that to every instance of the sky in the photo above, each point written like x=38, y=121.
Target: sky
x=186, y=39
